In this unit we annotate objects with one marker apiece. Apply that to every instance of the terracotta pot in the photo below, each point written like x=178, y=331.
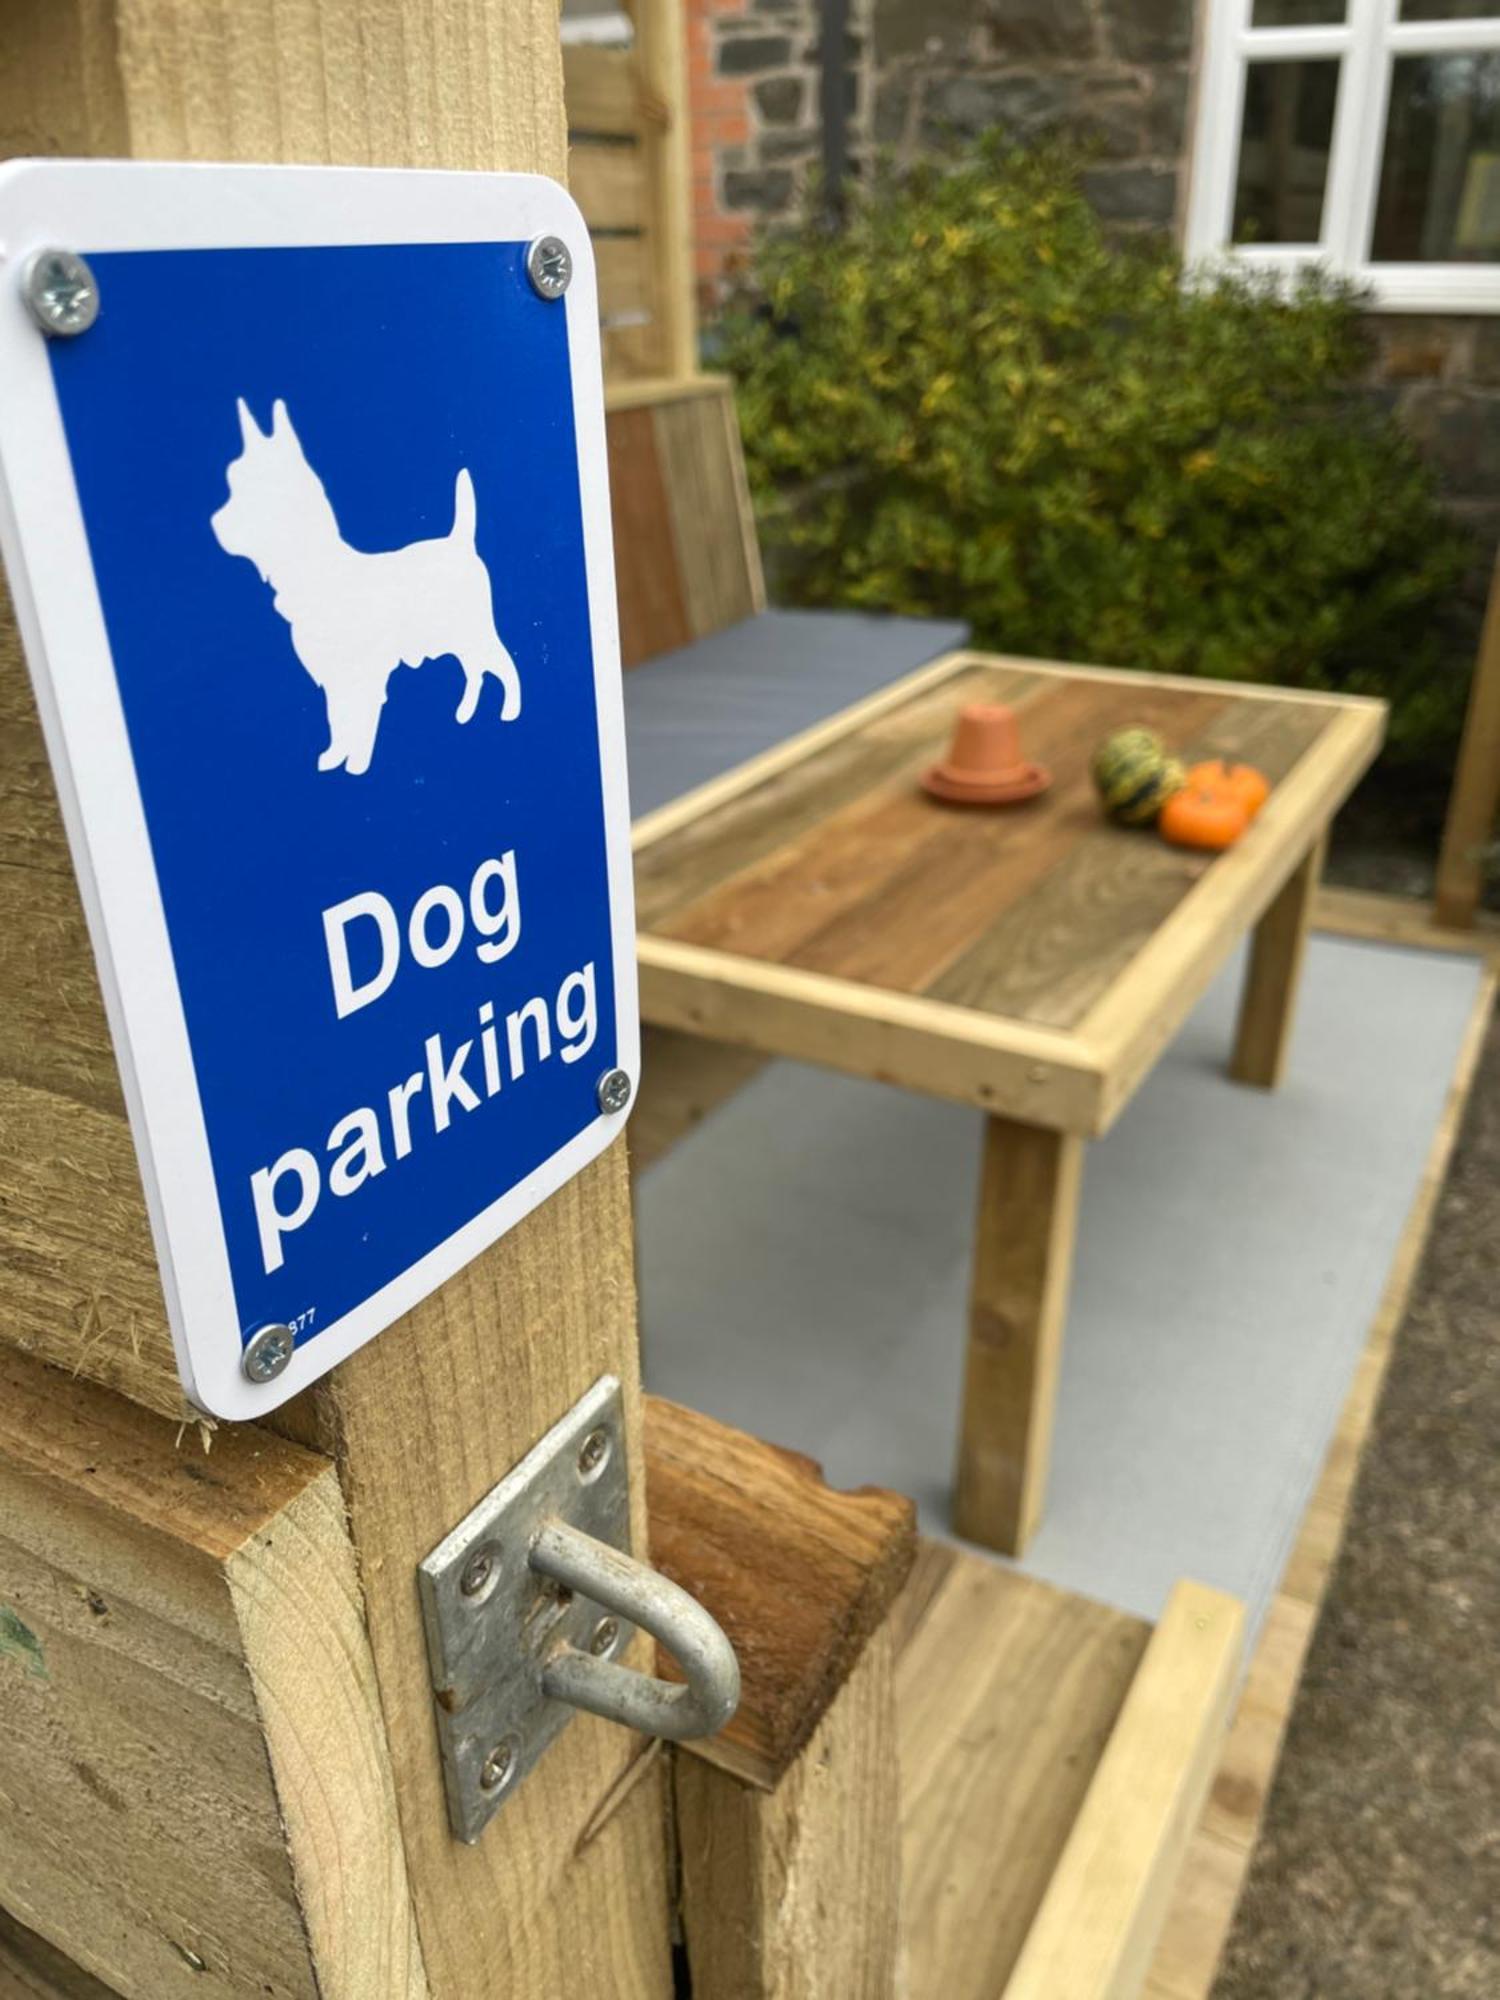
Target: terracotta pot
x=985, y=765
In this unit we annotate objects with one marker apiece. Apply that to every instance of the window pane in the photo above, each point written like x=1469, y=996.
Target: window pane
x=1448, y=10
x=1298, y=13
x=1284, y=144
x=1440, y=177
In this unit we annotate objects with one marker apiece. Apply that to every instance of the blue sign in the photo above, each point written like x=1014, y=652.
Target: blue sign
x=344, y=510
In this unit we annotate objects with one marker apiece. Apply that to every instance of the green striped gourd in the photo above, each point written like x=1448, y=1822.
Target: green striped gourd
x=1135, y=775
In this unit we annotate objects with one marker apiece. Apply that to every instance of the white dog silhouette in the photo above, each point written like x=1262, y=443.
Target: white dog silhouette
x=356, y=617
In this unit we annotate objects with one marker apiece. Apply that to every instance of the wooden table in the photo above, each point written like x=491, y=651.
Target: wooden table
x=817, y=904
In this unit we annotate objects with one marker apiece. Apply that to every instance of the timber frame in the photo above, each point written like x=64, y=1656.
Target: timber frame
x=629, y=166
x=1078, y=1080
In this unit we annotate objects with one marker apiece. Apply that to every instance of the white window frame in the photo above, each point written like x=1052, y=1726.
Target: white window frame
x=1369, y=40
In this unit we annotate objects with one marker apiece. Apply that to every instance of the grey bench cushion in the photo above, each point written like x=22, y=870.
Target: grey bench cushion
x=696, y=712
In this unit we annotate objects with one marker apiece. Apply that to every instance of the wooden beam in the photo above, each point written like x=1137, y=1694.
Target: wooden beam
x=1472, y=803
x=195, y=1775
x=1023, y=1258
x=461, y=1388
x=1004, y=1066
x=560, y=1893
x=1142, y=1010
x=1098, y=1923
x=1402, y=920
x=1268, y=1003
x=661, y=51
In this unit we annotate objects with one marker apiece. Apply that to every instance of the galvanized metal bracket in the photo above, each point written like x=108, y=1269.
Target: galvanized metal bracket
x=528, y=1603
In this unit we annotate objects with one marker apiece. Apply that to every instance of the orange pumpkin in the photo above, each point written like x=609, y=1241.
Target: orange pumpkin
x=1241, y=782
x=1195, y=818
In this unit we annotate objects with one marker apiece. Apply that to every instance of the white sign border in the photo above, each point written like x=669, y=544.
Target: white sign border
x=92, y=205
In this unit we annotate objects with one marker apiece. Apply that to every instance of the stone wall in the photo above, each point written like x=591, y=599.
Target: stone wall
x=754, y=75
x=1112, y=74
x=1440, y=375
x=921, y=74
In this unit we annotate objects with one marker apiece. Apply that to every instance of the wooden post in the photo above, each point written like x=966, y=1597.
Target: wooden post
x=789, y=1821
x=566, y=1891
x=661, y=49
x=1268, y=1004
x=1472, y=803
x=1023, y=1258
x=795, y=1891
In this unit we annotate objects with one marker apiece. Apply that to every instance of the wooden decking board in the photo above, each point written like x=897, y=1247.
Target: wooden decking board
x=1007, y=1692
x=1048, y=957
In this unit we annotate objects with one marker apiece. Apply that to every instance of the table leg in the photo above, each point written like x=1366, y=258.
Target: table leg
x=1269, y=1000
x=1028, y=1210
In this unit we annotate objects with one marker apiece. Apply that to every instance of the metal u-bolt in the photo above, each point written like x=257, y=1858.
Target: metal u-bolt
x=632, y=1591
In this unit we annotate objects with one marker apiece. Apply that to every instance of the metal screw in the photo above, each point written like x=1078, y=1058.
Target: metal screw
x=499, y=1767
x=593, y=1454
x=549, y=265
x=614, y=1090
x=61, y=292
x=605, y=1634
x=268, y=1352
x=478, y=1570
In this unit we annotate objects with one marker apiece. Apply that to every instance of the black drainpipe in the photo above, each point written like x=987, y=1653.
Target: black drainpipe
x=833, y=108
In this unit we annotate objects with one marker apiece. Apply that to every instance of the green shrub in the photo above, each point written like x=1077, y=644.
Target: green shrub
x=972, y=401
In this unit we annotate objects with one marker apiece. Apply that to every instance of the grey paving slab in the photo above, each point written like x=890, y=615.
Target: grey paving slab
x=805, y=1252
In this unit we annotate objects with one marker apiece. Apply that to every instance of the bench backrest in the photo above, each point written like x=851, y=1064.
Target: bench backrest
x=686, y=557
x=628, y=165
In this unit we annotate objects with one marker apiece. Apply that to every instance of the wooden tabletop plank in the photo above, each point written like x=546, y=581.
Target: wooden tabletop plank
x=1049, y=956
x=678, y=870
x=774, y=907
x=947, y=898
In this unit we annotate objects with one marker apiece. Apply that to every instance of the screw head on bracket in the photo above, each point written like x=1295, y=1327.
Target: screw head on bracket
x=549, y=265
x=61, y=292
x=268, y=1352
x=593, y=1454
x=479, y=1571
x=605, y=1637
x=499, y=1767
x=614, y=1090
